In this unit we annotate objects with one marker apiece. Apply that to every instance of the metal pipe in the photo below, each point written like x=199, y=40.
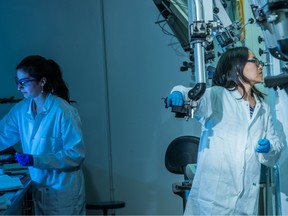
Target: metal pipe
x=199, y=63
x=196, y=19
x=278, y=210
x=108, y=114
x=268, y=192
x=195, y=11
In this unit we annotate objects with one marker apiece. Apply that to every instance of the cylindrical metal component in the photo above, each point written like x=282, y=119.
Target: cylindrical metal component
x=197, y=35
x=195, y=11
x=196, y=14
x=199, y=63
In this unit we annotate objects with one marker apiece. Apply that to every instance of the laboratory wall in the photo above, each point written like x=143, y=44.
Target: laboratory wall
x=118, y=65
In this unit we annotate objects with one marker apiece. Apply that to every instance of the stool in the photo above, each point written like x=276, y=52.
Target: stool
x=106, y=205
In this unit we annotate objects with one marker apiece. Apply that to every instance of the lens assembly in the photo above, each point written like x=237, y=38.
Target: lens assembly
x=23, y=82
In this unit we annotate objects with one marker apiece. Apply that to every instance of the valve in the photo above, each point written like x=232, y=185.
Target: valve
x=260, y=39
x=261, y=52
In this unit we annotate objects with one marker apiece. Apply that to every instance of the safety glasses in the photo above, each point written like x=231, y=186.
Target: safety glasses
x=24, y=82
x=256, y=61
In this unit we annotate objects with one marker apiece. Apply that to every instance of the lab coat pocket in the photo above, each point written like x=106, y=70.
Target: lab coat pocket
x=59, y=199
x=57, y=144
x=205, y=188
x=46, y=145
x=225, y=195
x=256, y=134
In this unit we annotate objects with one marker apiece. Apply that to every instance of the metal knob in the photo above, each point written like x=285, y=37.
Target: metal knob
x=261, y=51
x=260, y=39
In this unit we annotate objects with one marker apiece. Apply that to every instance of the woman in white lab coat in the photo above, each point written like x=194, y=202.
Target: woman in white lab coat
x=237, y=137
x=49, y=129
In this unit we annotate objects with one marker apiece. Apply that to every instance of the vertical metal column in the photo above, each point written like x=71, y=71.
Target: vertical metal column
x=110, y=161
x=268, y=191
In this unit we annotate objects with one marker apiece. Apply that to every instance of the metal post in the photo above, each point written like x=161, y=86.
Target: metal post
x=268, y=194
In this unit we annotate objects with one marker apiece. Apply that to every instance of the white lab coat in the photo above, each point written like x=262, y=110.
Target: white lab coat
x=54, y=137
x=228, y=168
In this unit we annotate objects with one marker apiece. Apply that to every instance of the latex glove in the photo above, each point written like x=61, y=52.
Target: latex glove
x=263, y=146
x=174, y=99
x=24, y=159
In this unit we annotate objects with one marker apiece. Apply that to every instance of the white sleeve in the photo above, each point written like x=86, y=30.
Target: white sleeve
x=183, y=90
x=9, y=130
x=269, y=159
x=203, y=105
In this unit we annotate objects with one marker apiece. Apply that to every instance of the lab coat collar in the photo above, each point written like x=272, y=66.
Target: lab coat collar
x=30, y=111
x=46, y=106
x=236, y=94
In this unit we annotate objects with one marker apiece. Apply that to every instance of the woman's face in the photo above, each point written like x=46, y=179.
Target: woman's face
x=253, y=69
x=29, y=86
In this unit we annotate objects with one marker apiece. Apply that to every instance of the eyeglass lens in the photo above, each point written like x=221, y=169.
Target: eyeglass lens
x=256, y=61
x=23, y=82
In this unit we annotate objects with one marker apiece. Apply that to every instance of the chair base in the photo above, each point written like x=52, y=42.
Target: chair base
x=105, y=206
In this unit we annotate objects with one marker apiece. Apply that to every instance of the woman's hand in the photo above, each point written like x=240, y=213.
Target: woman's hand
x=263, y=146
x=174, y=99
x=24, y=159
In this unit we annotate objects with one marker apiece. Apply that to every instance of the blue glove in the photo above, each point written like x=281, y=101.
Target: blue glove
x=174, y=99
x=24, y=159
x=263, y=146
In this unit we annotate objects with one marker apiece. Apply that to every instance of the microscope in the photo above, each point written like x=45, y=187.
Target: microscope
x=199, y=25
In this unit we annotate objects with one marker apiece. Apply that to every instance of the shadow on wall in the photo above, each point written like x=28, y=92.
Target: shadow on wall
x=88, y=175
x=143, y=197
x=283, y=160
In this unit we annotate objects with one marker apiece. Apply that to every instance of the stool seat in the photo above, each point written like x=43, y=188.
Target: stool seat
x=106, y=205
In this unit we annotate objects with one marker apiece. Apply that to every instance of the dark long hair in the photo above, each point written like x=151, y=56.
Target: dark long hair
x=38, y=67
x=229, y=71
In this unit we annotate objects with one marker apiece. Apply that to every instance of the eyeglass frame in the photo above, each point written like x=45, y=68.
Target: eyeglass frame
x=256, y=61
x=23, y=82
